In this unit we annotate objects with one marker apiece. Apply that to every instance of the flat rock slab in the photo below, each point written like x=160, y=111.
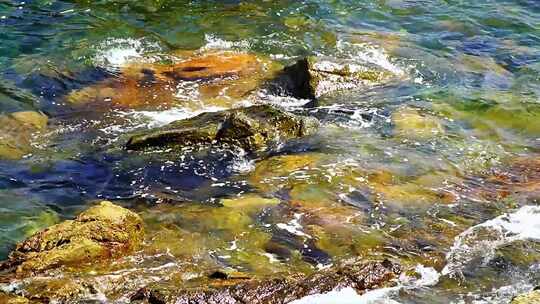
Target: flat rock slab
x=253, y=128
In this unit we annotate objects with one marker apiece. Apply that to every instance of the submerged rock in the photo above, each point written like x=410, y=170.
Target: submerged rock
x=313, y=77
x=362, y=276
x=532, y=297
x=12, y=299
x=16, y=130
x=253, y=128
x=193, y=80
x=410, y=124
x=101, y=232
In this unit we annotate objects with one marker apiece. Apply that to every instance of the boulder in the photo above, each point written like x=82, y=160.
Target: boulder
x=253, y=128
x=313, y=77
x=532, y=297
x=102, y=232
x=362, y=276
x=16, y=130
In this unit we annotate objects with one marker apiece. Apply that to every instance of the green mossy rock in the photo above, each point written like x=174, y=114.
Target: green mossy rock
x=532, y=297
x=253, y=128
x=102, y=232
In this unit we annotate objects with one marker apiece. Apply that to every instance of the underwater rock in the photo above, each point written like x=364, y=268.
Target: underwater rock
x=193, y=80
x=313, y=77
x=532, y=297
x=362, y=276
x=230, y=232
x=16, y=130
x=410, y=124
x=101, y=232
x=12, y=299
x=253, y=128
x=283, y=168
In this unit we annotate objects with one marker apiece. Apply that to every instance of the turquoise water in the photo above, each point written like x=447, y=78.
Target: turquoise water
x=473, y=66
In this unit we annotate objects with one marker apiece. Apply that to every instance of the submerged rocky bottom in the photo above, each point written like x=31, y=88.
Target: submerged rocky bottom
x=222, y=175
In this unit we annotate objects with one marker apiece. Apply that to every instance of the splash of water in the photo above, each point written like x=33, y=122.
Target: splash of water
x=428, y=277
x=115, y=52
x=482, y=240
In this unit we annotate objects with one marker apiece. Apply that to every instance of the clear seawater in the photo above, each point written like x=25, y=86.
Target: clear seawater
x=361, y=189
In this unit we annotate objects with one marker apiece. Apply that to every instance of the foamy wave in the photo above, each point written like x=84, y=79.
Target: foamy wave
x=482, y=240
x=115, y=52
x=372, y=54
x=155, y=119
x=350, y=296
x=213, y=42
x=428, y=277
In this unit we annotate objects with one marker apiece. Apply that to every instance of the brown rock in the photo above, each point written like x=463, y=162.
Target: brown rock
x=362, y=276
x=102, y=232
x=218, y=78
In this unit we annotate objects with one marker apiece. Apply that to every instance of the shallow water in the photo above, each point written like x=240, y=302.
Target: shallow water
x=422, y=170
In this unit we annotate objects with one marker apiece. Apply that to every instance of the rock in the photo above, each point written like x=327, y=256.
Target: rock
x=410, y=124
x=16, y=130
x=253, y=128
x=313, y=77
x=532, y=297
x=12, y=299
x=362, y=276
x=102, y=232
x=193, y=80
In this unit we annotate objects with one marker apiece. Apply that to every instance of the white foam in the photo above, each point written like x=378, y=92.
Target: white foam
x=349, y=296
x=113, y=53
x=213, y=42
x=482, y=240
x=161, y=118
x=372, y=54
x=428, y=277
x=294, y=226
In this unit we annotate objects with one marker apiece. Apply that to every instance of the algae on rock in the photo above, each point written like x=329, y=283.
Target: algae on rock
x=313, y=77
x=102, y=232
x=252, y=129
x=532, y=297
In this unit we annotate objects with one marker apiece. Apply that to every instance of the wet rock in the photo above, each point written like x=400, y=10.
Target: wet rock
x=59, y=290
x=532, y=297
x=410, y=124
x=362, y=276
x=16, y=131
x=190, y=79
x=252, y=129
x=12, y=299
x=101, y=232
x=313, y=77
